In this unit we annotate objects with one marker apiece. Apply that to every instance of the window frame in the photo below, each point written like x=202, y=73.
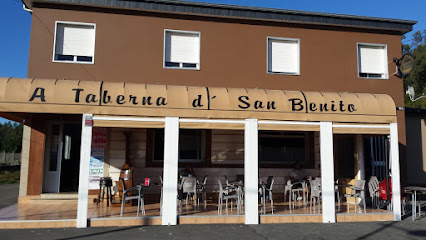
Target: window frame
x=309, y=161
x=385, y=47
x=198, y=67
x=205, y=159
x=75, y=59
x=267, y=55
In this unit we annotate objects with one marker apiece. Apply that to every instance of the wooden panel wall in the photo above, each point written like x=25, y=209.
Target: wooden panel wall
x=36, y=162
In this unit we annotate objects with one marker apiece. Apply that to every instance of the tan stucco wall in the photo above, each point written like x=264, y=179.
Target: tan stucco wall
x=25, y=159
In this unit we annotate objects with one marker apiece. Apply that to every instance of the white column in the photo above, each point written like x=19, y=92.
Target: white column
x=251, y=171
x=327, y=173
x=170, y=174
x=83, y=185
x=396, y=185
x=360, y=154
x=360, y=160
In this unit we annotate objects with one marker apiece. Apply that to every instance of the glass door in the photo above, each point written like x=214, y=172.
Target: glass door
x=53, y=157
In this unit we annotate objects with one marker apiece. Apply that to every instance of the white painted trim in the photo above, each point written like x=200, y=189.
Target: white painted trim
x=267, y=55
x=132, y=119
x=327, y=173
x=290, y=123
x=396, y=185
x=83, y=185
x=164, y=49
x=60, y=153
x=251, y=171
x=73, y=23
x=170, y=174
x=360, y=162
x=361, y=158
x=360, y=126
x=386, y=77
x=211, y=121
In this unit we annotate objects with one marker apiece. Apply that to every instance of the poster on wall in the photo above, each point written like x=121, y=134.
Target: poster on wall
x=96, y=170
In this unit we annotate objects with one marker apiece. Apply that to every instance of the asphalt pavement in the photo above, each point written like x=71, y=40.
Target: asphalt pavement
x=405, y=229
x=8, y=194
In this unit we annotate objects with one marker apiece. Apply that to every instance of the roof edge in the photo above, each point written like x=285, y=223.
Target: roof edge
x=243, y=12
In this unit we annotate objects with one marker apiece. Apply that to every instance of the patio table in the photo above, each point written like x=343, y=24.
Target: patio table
x=415, y=190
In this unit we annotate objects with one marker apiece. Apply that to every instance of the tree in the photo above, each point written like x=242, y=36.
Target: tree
x=417, y=78
x=11, y=137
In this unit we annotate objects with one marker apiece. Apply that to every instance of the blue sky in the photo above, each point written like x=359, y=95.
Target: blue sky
x=15, y=23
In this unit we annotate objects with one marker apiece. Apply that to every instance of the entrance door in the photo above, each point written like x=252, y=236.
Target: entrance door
x=62, y=159
x=70, y=165
x=53, y=156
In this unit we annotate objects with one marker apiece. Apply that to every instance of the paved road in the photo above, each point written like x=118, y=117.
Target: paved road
x=405, y=229
x=8, y=194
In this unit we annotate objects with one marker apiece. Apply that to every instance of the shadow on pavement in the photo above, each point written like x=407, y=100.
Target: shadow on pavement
x=100, y=233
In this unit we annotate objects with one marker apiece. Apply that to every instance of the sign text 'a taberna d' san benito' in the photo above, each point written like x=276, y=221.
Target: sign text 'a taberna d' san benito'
x=243, y=102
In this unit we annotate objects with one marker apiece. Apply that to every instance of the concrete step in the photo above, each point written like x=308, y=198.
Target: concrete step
x=59, y=196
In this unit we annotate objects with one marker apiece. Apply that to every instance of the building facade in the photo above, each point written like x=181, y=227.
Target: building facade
x=226, y=90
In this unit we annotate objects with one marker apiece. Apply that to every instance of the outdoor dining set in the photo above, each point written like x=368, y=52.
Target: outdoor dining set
x=296, y=194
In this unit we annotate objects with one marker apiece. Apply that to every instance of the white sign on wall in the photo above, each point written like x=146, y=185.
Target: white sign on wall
x=96, y=170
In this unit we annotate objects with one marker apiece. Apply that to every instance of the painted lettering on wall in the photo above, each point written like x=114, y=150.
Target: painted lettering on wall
x=200, y=101
x=298, y=105
x=245, y=103
x=119, y=99
x=38, y=93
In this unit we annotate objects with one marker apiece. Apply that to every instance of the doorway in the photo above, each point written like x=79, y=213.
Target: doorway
x=62, y=157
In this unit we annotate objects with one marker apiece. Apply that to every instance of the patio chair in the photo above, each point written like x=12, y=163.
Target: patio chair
x=268, y=194
x=161, y=194
x=374, y=190
x=315, y=195
x=201, y=191
x=190, y=188
x=287, y=189
x=130, y=194
x=357, y=191
x=227, y=193
x=180, y=194
x=297, y=188
x=337, y=192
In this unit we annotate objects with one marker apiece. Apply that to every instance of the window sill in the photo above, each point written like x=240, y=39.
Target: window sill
x=385, y=78
x=75, y=62
x=196, y=69
x=283, y=73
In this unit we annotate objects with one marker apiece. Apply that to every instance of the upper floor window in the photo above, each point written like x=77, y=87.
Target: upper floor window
x=181, y=49
x=372, y=60
x=283, y=56
x=74, y=42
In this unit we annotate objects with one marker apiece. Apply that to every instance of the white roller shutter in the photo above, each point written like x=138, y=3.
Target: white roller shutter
x=372, y=59
x=182, y=47
x=75, y=40
x=283, y=56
